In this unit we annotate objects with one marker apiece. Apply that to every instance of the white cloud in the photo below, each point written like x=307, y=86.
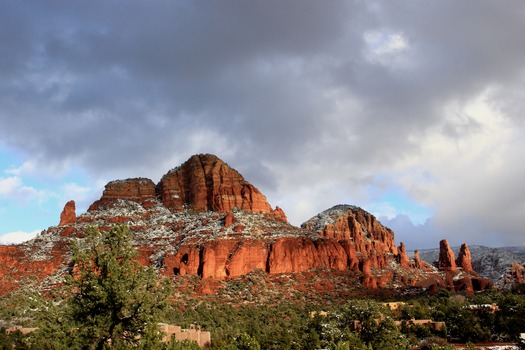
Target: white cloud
x=467, y=171
x=13, y=188
x=18, y=237
x=27, y=168
x=384, y=48
x=82, y=195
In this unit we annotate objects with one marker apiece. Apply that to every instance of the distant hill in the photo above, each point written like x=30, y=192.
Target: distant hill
x=488, y=262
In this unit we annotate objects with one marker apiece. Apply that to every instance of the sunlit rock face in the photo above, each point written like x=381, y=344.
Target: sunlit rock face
x=204, y=182
x=204, y=219
x=68, y=215
x=138, y=190
x=446, y=257
x=464, y=259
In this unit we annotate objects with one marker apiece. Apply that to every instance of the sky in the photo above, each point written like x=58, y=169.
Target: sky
x=412, y=110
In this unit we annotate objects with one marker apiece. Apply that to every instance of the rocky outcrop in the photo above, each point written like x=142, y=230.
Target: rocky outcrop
x=463, y=280
x=464, y=259
x=402, y=256
x=446, y=260
x=68, y=215
x=204, y=182
x=417, y=260
x=279, y=214
x=139, y=190
x=203, y=219
x=19, y=266
x=302, y=254
x=347, y=222
x=513, y=276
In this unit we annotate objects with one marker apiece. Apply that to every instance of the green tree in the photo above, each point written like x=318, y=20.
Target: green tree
x=115, y=303
x=244, y=342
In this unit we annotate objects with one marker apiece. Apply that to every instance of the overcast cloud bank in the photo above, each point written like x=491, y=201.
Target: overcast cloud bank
x=317, y=103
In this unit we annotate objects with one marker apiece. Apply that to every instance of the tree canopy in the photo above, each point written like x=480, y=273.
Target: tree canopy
x=114, y=301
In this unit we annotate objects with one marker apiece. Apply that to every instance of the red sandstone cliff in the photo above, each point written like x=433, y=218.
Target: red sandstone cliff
x=204, y=219
x=138, y=190
x=204, y=182
x=347, y=222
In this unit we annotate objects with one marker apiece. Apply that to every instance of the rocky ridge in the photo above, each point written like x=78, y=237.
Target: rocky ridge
x=203, y=219
x=490, y=263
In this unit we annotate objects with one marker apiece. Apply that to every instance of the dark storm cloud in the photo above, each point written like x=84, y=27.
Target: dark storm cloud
x=299, y=96
x=99, y=73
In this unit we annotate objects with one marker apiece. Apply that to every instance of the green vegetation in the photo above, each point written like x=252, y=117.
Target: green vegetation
x=293, y=326
x=110, y=302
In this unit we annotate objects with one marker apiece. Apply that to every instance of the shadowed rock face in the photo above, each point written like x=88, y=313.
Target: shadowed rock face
x=203, y=218
x=513, y=276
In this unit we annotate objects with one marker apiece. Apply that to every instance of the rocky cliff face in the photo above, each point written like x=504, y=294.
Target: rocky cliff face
x=204, y=219
x=464, y=279
x=347, y=222
x=139, y=190
x=513, y=276
x=204, y=182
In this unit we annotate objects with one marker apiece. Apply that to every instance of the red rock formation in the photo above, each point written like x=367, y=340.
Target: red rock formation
x=517, y=273
x=138, y=190
x=279, y=214
x=229, y=219
x=302, y=254
x=204, y=182
x=18, y=266
x=248, y=255
x=402, y=256
x=368, y=280
x=68, y=215
x=513, y=276
x=463, y=284
x=417, y=260
x=464, y=259
x=446, y=257
x=216, y=242
x=345, y=222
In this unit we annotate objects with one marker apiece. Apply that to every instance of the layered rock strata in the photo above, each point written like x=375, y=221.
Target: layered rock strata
x=203, y=218
x=204, y=182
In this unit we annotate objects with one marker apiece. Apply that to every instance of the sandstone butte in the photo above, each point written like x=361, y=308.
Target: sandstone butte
x=204, y=219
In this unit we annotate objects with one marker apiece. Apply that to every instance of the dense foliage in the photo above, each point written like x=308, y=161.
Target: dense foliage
x=111, y=302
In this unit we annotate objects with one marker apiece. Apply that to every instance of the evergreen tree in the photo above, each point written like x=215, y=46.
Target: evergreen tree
x=115, y=303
